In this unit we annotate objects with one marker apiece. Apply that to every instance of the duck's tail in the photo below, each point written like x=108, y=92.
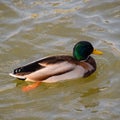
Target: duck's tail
x=17, y=76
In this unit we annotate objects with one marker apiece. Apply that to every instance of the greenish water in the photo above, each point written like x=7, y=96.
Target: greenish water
x=30, y=30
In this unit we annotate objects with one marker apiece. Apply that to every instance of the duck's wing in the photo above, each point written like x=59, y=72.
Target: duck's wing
x=44, y=68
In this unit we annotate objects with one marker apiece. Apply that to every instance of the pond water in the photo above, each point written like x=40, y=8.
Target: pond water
x=30, y=30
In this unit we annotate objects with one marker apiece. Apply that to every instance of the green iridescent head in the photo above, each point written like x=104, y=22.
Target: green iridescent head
x=82, y=50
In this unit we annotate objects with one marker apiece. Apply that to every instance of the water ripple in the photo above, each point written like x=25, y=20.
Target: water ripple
x=32, y=29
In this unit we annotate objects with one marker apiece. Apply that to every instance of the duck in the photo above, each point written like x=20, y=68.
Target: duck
x=60, y=67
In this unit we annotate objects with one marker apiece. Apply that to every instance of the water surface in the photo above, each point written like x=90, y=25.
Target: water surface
x=30, y=30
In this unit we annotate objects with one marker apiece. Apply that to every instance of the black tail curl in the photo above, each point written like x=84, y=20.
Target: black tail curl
x=28, y=68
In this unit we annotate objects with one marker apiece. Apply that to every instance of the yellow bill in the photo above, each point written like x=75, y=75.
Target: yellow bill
x=97, y=52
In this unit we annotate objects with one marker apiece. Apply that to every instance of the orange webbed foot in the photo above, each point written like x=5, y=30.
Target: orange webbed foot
x=30, y=87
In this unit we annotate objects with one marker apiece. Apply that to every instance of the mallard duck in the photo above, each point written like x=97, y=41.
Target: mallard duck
x=62, y=67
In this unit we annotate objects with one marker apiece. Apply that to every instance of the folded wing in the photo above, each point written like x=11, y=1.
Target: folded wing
x=44, y=68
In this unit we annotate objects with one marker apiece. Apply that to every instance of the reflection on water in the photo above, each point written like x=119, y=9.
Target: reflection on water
x=32, y=29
